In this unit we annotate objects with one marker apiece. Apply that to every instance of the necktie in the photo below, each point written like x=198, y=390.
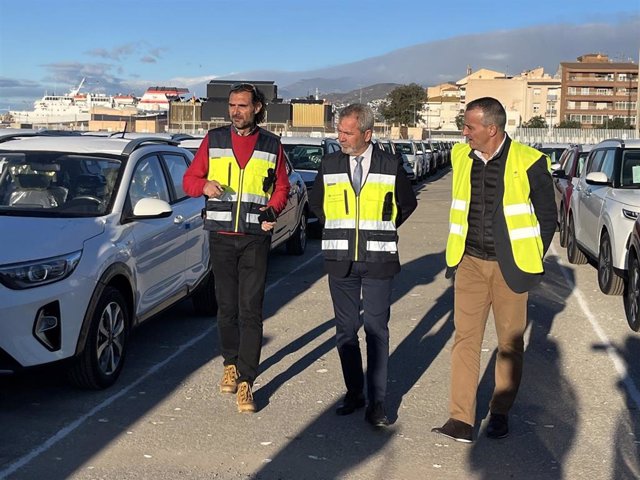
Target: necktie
x=357, y=175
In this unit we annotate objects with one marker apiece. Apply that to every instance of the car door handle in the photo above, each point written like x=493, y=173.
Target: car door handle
x=178, y=219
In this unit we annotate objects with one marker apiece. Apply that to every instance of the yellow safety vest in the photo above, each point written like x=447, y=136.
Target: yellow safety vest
x=522, y=223
x=359, y=227
x=245, y=189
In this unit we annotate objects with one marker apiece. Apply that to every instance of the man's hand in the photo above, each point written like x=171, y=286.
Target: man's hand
x=213, y=189
x=266, y=226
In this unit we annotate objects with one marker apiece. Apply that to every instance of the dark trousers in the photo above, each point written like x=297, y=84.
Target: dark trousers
x=240, y=268
x=376, y=300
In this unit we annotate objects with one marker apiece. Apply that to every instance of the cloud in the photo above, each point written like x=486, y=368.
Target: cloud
x=148, y=59
x=117, y=53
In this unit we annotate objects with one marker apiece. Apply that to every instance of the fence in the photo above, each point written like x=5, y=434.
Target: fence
x=570, y=135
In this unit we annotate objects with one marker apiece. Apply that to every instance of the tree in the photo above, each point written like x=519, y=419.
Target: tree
x=616, y=123
x=460, y=121
x=569, y=124
x=404, y=105
x=536, y=122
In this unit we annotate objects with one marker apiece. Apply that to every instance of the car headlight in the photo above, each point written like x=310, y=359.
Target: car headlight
x=630, y=214
x=19, y=276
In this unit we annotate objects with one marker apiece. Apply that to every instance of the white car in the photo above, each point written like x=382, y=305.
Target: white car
x=97, y=236
x=409, y=151
x=604, y=204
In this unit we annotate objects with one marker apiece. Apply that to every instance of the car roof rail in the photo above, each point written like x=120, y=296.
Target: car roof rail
x=138, y=142
x=10, y=136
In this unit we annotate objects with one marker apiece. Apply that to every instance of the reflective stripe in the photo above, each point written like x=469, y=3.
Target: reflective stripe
x=382, y=225
x=336, y=178
x=220, y=152
x=458, y=205
x=269, y=157
x=527, y=232
x=335, y=244
x=456, y=229
x=381, y=178
x=346, y=223
x=518, y=209
x=250, y=197
x=252, y=217
x=375, y=246
x=219, y=216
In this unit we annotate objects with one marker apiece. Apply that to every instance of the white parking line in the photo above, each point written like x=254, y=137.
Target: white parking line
x=64, y=432
x=618, y=362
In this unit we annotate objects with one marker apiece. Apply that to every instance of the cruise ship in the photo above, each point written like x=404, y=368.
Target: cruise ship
x=72, y=107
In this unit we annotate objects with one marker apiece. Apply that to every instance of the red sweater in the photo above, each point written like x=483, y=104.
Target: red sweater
x=196, y=175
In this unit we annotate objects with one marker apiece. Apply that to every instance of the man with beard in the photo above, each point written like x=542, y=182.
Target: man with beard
x=240, y=169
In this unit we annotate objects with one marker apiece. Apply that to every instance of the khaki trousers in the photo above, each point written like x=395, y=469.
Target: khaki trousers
x=479, y=286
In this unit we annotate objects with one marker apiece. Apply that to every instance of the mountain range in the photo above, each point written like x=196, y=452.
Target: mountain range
x=431, y=63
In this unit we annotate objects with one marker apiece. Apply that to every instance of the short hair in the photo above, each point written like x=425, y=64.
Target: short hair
x=493, y=112
x=256, y=97
x=362, y=112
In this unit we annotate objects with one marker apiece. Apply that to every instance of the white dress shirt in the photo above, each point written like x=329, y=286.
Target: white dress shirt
x=366, y=163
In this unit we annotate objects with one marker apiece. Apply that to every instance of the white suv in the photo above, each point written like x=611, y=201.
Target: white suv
x=97, y=236
x=604, y=205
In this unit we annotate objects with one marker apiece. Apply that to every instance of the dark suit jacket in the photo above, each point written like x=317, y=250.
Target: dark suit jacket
x=405, y=201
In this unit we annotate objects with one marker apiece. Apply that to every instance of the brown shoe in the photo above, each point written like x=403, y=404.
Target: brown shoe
x=229, y=384
x=244, y=398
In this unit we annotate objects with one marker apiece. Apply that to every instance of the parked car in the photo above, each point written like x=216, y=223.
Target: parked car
x=408, y=150
x=553, y=150
x=390, y=147
x=604, y=205
x=97, y=237
x=291, y=227
x=422, y=155
x=632, y=288
x=564, y=177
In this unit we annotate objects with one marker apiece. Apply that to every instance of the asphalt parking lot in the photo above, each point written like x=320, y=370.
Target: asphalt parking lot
x=577, y=414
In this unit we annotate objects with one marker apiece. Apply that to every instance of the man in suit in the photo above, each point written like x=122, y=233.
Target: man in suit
x=361, y=195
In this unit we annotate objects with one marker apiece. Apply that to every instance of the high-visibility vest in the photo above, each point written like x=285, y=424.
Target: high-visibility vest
x=360, y=227
x=521, y=220
x=245, y=189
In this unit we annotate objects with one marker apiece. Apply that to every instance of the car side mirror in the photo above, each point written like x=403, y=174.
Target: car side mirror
x=147, y=208
x=559, y=173
x=597, y=178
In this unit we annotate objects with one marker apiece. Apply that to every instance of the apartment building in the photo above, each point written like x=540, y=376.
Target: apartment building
x=442, y=107
x=596, y=90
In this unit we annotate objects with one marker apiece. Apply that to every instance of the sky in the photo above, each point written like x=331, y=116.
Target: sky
x=120, y=46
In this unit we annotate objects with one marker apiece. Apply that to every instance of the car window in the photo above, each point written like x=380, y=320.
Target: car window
x=608, y=163
x=568, y=163
x=582, y=158
x=177, y=166
x=630, y=171
x=148, y=181
x=595, y=161
x=405, y=148
x=304, y=157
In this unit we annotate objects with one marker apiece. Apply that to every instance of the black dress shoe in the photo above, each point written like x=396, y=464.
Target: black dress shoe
x=350, y=404
x=498, y=426
x=457, y=430
x=376, y=415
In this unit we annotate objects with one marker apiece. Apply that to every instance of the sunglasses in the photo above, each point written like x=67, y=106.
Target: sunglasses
x=244, y=87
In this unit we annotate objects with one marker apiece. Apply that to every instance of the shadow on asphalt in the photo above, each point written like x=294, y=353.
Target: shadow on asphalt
x=626, y=461
x=343, y=442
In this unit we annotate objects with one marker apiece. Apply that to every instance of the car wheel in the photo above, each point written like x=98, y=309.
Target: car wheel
x=204, y=297
x=574, y=254
x=563, y=226
x=610, y=283
x=298, y=241
x=99, y=364
x=632, y=294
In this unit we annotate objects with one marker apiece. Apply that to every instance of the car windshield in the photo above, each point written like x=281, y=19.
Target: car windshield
x=304, y=157
x=630, y=171
x=553, y=153
x=406, y=148
x=56, y=184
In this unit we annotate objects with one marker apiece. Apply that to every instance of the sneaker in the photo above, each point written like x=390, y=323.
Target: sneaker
x=229, y=384
x=498, y=426
x=456, y=430
x=244, y=398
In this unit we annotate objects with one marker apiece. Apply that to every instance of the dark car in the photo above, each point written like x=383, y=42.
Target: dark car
x=570, y=166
